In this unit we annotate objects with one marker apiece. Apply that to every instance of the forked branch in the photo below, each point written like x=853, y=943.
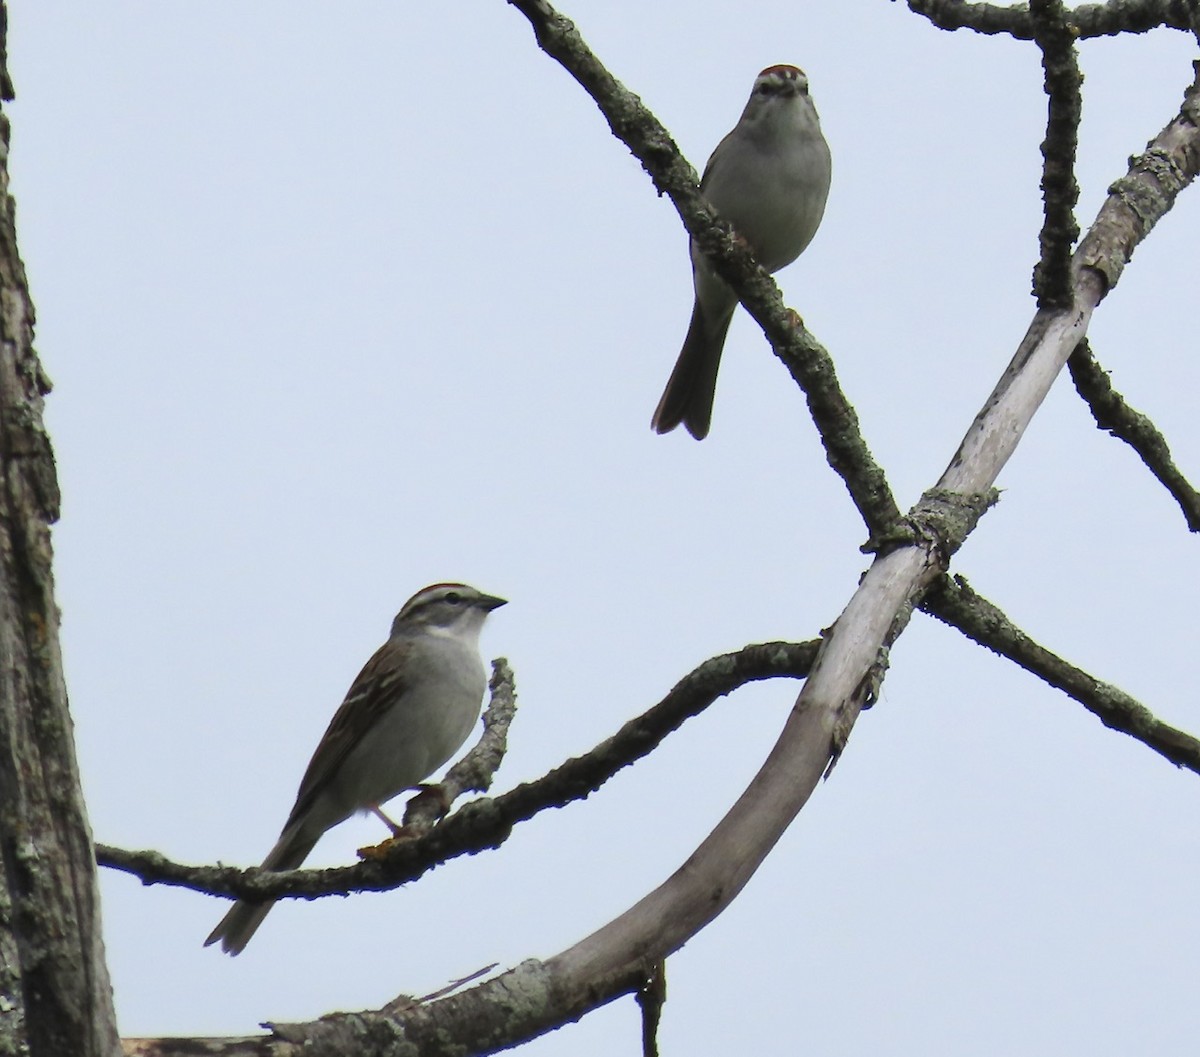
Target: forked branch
x=486, y=823
x=616, y=960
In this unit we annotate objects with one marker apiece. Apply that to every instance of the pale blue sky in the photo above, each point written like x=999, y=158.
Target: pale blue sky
x=340, y=300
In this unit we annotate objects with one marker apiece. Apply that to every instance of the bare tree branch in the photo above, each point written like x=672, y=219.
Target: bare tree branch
x=242, y=1046
x=1115, y=416
x=475, y=772
x=807, y=361
x=840, y=679
x=954, y=602
x=615, y=960
x=1087, y=20
x=650, y=999
x=1140, y=198
x=486, y=823
x=1060, y=191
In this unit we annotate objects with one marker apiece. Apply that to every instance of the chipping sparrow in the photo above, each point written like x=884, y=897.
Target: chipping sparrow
x=410, y=709
x=768, y=178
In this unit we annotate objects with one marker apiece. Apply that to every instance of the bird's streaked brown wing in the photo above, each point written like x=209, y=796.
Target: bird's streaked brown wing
x=376, y=688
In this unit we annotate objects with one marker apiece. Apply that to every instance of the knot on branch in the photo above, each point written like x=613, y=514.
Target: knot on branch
x=1159, y=164
x=1143, y=198
x=942, y=519
x=939, y=522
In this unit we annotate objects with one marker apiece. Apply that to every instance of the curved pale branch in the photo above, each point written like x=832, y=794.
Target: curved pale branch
x=849, y=661
x=616, y=959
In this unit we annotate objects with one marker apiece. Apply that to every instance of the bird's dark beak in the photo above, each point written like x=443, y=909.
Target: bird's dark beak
x=490, y=602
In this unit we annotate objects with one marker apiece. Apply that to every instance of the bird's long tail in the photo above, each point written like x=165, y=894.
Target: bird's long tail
x=236, y=927
x=688, y=397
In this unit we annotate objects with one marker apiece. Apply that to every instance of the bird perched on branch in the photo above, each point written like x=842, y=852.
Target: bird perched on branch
x=768, y=178
x=411, y=708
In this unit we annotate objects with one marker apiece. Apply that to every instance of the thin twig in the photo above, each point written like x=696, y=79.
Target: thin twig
x=486, y=823
x=954, y=603
x=805, y=358
x=538, y=996
x=1115, y=416
x=476, y=770
x=1060, y=191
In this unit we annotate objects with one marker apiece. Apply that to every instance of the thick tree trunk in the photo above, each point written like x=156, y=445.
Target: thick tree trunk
x=55, y=997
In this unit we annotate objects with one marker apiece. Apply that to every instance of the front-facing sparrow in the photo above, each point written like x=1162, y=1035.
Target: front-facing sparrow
x=768, y=178
x=412, y=706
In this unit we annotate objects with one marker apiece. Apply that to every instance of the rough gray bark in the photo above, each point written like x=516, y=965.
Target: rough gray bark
x=54, y=992
x=55, y=996
x=622, y=957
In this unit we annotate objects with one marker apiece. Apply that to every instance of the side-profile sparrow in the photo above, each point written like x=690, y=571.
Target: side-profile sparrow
x=410, y=709
x=768, y=178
